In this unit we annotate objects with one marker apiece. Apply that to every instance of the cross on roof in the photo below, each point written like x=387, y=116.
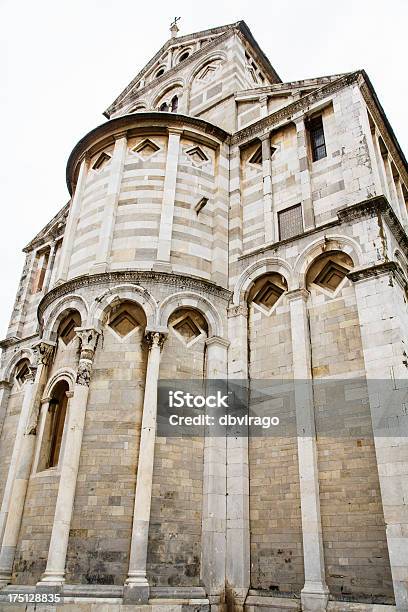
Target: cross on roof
x=174, y=23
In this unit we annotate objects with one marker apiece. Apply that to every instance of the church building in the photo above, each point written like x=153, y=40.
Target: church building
x=221, y=224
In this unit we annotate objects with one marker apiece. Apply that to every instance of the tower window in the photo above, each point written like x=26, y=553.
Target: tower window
x=290, y=222
x=317, y=140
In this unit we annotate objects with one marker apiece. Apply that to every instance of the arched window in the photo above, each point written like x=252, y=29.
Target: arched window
x=164, y=107
x=54, y=427
x=174, y=104
x=159, y=73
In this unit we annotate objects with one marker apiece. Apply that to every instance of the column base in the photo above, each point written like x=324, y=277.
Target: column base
x=4, y=581
x=136, y=590
x=51, y=582
x=162, y=266
x=100, y=267
x=314, y=597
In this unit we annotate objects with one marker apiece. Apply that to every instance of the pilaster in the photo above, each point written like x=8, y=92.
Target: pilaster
x=238, y=571
x=214, y=487
x=270, y=234
x=111, y=203
x=384, y=323
x=304, y=174
x=315, y=593
x=169, y=194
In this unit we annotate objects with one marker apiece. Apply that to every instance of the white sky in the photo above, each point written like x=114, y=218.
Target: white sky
x=63, y=62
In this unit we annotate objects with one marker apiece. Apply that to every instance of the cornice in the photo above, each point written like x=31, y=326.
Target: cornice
x=372, y=208
x=286, y=112
x=389, y=268
x=132, y=276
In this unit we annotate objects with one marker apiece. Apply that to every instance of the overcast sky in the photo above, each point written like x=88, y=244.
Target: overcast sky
x=64, y=61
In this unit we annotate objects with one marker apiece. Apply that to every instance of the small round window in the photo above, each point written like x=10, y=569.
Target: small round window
x=184, y=56
x=159, y=72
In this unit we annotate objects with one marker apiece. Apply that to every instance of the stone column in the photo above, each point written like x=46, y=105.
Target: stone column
x=5, y=387
x=235, y=245
x=219, y=263
x=238, y=570
x=169, y=194
x=54, y=574
x=21, y=427
x=270, y=234
x=48, y=273
x=304, y=174
x=136, y=588
x=402, y=204
x=384, y=333
x=391, y=186
x=315, y=593
x=380, y=164
x=18, y=493
x=213, y=539
x=111, y=204
x=72, y=220
x=263, y=101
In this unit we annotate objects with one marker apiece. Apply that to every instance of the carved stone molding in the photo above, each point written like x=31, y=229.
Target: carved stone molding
x=240, y=310
x=372, y=208
x=298, y=294
x=390, y=268
x=286, y=113
x=177, y=281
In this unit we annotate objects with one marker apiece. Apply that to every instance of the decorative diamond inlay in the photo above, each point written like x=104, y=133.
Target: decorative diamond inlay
x=187, y=329
x=123, y=324
x=67, y=329
x=331, y=275
x=197, y=156
x=101, y=161
x=256, y=157
x=268, y=295
x=146, y=149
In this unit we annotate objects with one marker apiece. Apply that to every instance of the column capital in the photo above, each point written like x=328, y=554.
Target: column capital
x=175, y=130
x=299, y=121
x=155, y=338
x=298, y=294
x=88, y=337
x=69, y=394
x=263, y=99
x=236, y=311
x=86, y=157
x=265, y=136
x=5, y=384
x=43, y=351
x=120, y=135
x=217, y=341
